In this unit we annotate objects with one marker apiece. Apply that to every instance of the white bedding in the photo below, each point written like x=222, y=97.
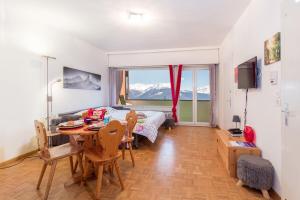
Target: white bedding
x=147, y=127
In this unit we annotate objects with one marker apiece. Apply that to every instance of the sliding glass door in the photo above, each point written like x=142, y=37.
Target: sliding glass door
x=186, y=97
x=194, y=104
x=203, y=104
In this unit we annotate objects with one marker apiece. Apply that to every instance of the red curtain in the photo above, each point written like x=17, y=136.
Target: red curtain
x=175, y=91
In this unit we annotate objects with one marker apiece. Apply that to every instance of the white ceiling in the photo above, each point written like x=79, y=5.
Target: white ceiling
x=170, y=24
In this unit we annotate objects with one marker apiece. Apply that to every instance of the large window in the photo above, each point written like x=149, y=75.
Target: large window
x=148, y=84
x=151, y=87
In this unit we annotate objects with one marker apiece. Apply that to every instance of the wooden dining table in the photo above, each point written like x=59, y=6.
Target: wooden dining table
x=79, y=136
x=84, y=132
x=84, y=137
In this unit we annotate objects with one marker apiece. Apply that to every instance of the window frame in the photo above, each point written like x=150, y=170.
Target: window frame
x=127, y=77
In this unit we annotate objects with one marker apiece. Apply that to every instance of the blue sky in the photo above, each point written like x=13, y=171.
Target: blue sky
x=162, y=76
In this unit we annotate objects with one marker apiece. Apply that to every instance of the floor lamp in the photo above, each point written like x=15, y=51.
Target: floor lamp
x=48, y=97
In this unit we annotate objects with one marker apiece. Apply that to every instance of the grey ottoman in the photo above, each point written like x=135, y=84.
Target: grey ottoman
x=255, y=172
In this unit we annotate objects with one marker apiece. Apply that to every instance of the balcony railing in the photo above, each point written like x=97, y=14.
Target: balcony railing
x=185, y=108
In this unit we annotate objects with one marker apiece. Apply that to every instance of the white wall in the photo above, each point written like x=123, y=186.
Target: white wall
x=160, y=57
x=23, y=79
x=260, y=21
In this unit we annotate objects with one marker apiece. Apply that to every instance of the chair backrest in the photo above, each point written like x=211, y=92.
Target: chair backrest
x=41, y=135
x=131, y=119
x=110, y=138
x=122, y=100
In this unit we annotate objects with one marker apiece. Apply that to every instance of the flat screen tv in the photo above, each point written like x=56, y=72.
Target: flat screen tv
x=247, y=74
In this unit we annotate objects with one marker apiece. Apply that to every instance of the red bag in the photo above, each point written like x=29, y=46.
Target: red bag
x=249, y=134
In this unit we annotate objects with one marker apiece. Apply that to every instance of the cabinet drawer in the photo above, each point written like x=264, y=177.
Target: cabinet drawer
x=229, y=154
x=223, y=152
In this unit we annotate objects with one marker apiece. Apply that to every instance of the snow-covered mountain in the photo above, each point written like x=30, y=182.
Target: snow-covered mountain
x=143, y=87
x=163, y=92
x=204, y=90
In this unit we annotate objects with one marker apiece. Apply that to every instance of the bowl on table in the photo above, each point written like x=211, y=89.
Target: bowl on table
x=87, y=120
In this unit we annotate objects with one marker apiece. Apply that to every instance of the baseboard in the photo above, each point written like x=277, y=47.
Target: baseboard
x=10, y=161
x=274, y=195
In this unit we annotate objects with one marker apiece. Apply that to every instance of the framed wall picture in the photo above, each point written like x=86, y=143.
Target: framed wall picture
x=273, y=49
x=77, y=79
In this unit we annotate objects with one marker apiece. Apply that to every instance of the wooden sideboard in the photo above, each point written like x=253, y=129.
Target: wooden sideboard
x=230, y=154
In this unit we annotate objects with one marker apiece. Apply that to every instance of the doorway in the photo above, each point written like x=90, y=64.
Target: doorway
x=290, y=98
x=194, y=100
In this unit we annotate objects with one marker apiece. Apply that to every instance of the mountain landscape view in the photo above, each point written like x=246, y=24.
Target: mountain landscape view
x=162, y=91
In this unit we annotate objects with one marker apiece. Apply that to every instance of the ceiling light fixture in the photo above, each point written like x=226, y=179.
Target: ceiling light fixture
x=135, y=18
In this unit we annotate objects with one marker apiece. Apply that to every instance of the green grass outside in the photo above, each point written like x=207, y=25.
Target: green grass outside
x=185, y=108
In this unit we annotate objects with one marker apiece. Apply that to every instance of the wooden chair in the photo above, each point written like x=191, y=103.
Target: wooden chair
x=105, y=153
x=50, y=137
x=127, y=140
x=52, y=155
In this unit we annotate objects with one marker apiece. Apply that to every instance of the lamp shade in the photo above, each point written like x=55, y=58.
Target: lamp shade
x=236, y=118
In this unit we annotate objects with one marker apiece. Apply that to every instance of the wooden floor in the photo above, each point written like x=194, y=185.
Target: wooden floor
x=183, y=164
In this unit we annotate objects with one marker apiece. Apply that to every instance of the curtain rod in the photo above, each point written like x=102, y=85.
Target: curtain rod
x=160, y=66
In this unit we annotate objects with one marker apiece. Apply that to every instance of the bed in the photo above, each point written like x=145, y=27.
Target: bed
x=147, y=127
